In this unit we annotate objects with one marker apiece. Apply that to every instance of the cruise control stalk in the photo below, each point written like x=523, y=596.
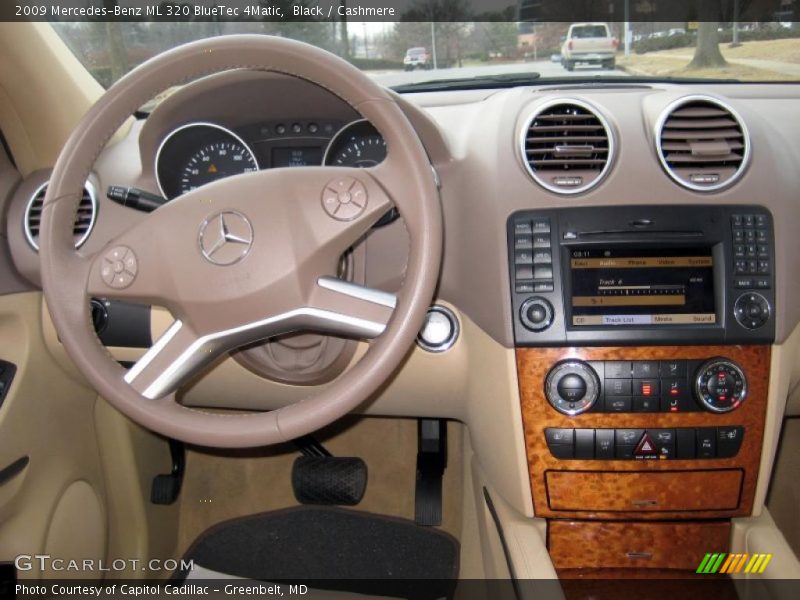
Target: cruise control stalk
x=135, y=198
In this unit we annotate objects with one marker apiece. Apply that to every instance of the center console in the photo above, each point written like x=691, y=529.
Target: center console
x=643, y=357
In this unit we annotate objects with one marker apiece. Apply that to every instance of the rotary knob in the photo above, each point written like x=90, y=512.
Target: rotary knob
x=572, y=387
x=720, y=385
x=536, y=313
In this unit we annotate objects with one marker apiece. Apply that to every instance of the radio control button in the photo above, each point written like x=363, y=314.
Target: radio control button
x=523, y=242
x=752, y=310
x=542, y=257
x=541, y=241
x=523, y=272
x=523, y=228
x=536, y=313
x=762, y=283
x=541, y=225
x=523, y=257
x=542, y=272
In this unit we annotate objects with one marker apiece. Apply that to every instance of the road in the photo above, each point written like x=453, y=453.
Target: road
x=543, y=67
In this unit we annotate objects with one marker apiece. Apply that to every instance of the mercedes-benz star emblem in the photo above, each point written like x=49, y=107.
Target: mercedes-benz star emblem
x=226, y=237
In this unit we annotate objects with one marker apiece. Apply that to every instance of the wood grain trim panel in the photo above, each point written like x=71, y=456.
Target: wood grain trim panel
x=653, y=492
x=616, y=545
x=537, y=414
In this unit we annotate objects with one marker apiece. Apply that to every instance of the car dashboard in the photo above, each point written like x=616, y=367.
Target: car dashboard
x=619, y=272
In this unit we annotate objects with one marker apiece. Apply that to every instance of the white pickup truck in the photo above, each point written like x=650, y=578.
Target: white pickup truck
x=589, y=43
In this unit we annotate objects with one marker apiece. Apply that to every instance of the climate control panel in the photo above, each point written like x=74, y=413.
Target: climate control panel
x=574, y=386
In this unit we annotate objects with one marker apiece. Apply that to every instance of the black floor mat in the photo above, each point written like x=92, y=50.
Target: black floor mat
x=333, y=548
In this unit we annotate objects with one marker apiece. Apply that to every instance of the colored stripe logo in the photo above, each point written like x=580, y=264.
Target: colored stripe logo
x=720, y=562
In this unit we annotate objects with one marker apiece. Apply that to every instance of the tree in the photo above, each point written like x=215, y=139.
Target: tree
x=706, y=53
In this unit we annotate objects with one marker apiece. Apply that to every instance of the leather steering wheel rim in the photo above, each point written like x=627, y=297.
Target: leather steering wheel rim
x=405, y=179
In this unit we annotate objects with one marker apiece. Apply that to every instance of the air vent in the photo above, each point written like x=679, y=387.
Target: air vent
x=84, y=219
x=567, y=146
x=702, y=143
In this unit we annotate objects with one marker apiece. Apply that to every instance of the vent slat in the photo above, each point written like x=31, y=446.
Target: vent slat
x=600, y=139
x=84, y=215
x=699, y=124
x=552, y=150
x=703, y=112
x=570, y=162
x=702, y=144
x=690, y=158
x=698, y=134
x=566, y=128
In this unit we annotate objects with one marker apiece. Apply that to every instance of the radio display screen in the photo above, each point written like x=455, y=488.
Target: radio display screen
x=642, y=287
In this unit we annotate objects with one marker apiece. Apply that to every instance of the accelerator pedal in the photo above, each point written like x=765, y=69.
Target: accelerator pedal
x=321, y=478
x=166, y=488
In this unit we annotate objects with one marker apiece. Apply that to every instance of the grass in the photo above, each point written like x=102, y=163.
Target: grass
x=779, y=50
x=662, y=65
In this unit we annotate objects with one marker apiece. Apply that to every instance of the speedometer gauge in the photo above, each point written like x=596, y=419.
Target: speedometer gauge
x=356, y=145
x=214, y=161
x=198, y=153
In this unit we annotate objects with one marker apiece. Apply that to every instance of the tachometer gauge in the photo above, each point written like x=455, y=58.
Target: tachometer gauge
x=215, y=161
x=198, y=153
x=356, y=145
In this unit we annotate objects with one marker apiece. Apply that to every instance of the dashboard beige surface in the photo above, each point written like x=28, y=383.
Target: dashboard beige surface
x=470, y=137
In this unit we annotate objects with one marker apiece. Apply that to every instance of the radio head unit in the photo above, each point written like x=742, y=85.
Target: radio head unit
x=671, y=275
x=617, y=286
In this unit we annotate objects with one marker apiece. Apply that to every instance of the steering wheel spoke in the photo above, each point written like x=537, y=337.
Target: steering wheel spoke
x=350, y=310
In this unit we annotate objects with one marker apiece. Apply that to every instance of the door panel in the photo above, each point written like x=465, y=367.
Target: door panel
x=49, y=417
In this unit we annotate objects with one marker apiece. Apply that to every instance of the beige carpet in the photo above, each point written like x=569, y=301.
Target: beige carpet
x=222, y=485
x=783, y=500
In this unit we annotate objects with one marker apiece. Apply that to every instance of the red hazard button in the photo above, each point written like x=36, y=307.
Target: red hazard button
x=645, y=447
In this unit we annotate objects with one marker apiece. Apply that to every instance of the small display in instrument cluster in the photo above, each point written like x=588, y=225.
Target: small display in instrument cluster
x=299, y=156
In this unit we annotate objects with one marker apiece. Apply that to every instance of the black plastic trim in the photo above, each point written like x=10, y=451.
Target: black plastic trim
x=15, y=468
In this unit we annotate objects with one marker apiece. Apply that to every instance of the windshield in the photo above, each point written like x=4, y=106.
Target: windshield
x=512, y=52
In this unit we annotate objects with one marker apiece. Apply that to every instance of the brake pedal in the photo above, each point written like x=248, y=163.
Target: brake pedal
x=431, y=463
x=321, y=478
x=166, y=488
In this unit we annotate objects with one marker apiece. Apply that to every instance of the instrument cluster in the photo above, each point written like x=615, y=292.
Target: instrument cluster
x=198, y=153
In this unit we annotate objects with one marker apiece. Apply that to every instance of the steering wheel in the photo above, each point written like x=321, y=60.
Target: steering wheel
x=244, y=258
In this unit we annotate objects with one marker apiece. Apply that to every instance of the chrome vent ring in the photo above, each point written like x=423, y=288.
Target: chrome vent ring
x=567, y=146
x=702, y=143
x=85, y=216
